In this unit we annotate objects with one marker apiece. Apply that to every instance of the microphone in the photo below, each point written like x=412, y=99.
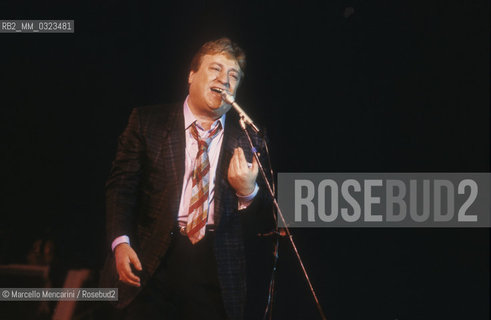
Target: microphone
x=230, y=99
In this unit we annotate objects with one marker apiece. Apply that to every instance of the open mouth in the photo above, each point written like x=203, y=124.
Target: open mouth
x=216, y=90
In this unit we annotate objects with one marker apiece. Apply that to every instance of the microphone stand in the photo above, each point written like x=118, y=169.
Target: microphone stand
x=243, y=120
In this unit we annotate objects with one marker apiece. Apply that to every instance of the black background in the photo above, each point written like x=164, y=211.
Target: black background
x=397, y=86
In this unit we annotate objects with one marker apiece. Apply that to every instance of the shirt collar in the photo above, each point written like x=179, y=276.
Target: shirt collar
x=189, y=117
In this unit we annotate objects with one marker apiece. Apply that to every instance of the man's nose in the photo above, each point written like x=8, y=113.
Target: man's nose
x=224, y=79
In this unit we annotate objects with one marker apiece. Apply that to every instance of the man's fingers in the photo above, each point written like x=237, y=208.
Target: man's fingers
x=242, y=159
x=237, y=159
x=125, y=257
x=235, y=163
x=128, y=274
x=130, y=278
x=127, y=280
x=239, y=165
x=135, y=261
x=242, y=162
x=130, y=282
x=255, y=166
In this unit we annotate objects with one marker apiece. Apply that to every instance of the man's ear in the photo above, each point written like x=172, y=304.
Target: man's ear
x=190, y=77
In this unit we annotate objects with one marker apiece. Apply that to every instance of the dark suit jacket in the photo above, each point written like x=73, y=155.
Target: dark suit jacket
x=143, y=195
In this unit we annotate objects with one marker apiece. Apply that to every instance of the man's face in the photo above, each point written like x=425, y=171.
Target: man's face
x=215, y=71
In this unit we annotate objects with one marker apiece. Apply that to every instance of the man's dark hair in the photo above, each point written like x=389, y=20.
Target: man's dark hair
x=222, y=45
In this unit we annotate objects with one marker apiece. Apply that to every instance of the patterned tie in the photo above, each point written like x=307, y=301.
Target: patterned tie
x=198, y=206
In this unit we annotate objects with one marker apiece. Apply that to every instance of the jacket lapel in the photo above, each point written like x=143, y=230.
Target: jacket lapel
x=230, y=142
x=176, y=140
x=170, y=138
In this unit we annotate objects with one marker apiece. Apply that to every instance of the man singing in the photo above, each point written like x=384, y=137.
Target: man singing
x=181, y=185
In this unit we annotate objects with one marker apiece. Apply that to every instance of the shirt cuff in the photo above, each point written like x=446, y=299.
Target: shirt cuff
x=245, y=201
x=119, y=240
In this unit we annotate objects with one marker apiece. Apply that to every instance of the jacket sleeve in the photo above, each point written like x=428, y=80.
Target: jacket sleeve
x=122, y=186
